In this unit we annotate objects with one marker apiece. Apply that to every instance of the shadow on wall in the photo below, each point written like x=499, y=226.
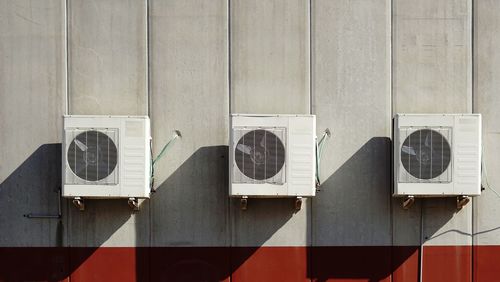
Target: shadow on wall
x=352, y=218
x=352, y=221
x=32, y=188
x=191, y=225
x=36, y=244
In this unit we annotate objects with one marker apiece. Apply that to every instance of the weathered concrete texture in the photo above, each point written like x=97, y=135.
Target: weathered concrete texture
x=32, y=91
x=270, y=74
x=107, y=223
x=189, y=92
x=444, y=225
x=487, y=102
x=107, y=75
x=351, y=96
x=269, y=56
x=270, y=222
x=432, y=70
x=432, y=74
x=107, y=57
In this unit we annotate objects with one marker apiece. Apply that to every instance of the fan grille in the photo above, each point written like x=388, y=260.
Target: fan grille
x=92, y=156
x=259, y=155
x=425, y=155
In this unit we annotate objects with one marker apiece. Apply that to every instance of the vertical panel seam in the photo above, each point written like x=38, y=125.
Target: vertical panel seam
x=66, y=65
x=148, y=105
x=148, y=74
x=229, y=218
x=391, y=115
x=311, y=91
x=67, y=236
x=310, y=58
x=471, y=54
x=472, y=93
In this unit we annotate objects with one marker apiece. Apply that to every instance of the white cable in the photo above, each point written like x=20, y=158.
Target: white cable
x=485, y=173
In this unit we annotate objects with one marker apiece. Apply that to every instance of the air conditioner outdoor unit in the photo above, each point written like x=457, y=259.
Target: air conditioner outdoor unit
x=272, y=156
x=437, y=155
x=106, y=157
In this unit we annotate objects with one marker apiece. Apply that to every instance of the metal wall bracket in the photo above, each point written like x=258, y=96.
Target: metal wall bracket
x=133, y=203
x=462, y=201
x=244, y=203
x=298, y=203
x=408, y=201
x=79, y=203
x=49, y=216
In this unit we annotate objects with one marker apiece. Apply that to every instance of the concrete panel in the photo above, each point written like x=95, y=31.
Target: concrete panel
x=107, y=57
x=269, y=56
x=438, y=219
x=351, y=85
x=270, y=74
x=487, y=102
x=444, y=225
x=107, y=75
x=108, y=223
x=32, y=91
x=432, y=70
x=189, y=65
x=432, y=73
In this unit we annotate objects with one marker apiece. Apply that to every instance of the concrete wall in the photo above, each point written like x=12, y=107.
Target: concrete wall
x=189, y=64
x=32, y=99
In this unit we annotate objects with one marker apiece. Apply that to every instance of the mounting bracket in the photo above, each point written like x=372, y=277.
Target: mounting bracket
x=408, y=201
x=79, y=203
x=133, y=203
x=244, y=203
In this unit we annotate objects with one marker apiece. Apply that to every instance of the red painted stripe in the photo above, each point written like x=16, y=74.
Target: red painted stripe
x=441, y=263
x=447, y=263
x=34, y=264
x=405, y=263
x=269, y=264
x=486, y=263
x=351, y=263
x=108, y=264
x=189, y=264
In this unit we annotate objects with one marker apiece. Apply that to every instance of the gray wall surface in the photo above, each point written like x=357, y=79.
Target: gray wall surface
x=189, y=93
x=432, y=70
x=487, y=102
x=32, y=102
x=351, y=86
x=190, y=63
x=269, y=74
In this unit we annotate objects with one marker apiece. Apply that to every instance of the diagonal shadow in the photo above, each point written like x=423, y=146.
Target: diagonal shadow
x=38, y=244
x=190, y=222
x=32, y=188
x=352, y=218
x=352, y=239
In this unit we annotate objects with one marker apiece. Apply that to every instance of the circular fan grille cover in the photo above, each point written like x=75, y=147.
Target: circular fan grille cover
x=92, y=155
x=259, y=154
x=425, y=154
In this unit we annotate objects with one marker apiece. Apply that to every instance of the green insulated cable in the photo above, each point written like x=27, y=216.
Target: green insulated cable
x=162, y=153
x=165, y=148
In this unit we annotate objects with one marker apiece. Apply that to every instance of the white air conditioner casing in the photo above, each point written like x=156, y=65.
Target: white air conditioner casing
x=437, y=155
x=106, y=157
x=272, y=155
